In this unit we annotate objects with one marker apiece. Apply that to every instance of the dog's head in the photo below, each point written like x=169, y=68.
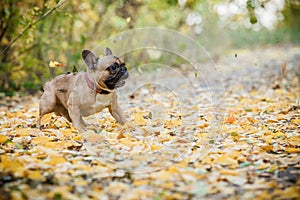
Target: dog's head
x=108, y=72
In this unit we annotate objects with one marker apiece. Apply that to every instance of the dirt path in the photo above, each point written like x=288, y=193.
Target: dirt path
x=188, y=139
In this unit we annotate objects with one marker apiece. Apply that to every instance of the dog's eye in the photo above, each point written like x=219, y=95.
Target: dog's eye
x=113, y=67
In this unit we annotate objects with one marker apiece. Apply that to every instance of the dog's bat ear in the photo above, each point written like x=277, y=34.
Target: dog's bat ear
x=108, y=51
x=90, y=59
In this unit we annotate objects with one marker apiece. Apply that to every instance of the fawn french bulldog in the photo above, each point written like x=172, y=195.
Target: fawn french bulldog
x=81, y=94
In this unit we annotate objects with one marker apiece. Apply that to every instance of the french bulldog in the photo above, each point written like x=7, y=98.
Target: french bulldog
x=77, y=95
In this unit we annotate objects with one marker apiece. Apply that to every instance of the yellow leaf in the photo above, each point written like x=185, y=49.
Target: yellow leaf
x=3, y=138
x=56, y=64
x=55, y=145
x=92, y=137
x=169, y=185
x=56, y=160
x=140, y=182
x=20, y=114
x=173, y=169
x=263, y=195
x=296, y=121
x=267, y=148
x=278, y=134
x=11, y=165
x=170, y=196
x=203, y=125
x=250, y=119
x=35, y=175
x=155, y=147
x=125, y=141
x=71, y=144
x=268, y=133
x=259, y=184
x=23, y=132
x=46, y=118
x=173, y=123
x=80, y=182
x=207, y=160
x=226, y=160
x=67, y=132
x=272, y=120
x=121, y=135
x=273, y=168
x=77, y=138
x=9, y=115
x=263, y=166
x=163, y=175
x=41, y=140
x=268, y=139
x=294, y=140
x=290, y=192
x=139, y=119
x=293, y=150
x=229, y=172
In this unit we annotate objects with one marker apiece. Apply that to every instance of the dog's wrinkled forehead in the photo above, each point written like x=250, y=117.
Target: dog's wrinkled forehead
x=107, y=61
x=93, y=62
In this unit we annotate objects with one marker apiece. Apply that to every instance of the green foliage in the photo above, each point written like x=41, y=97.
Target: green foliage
x=83, y=24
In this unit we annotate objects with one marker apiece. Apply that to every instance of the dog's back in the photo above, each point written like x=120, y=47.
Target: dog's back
x=61, y=82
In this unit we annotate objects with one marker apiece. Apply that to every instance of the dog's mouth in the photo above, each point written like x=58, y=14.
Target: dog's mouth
x=116, y=80
x=121, y=82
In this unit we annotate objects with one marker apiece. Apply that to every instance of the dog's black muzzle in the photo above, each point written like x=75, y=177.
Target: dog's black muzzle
x=118, y=74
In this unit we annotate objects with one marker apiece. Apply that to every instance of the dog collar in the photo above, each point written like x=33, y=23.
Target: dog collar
x=92, y=85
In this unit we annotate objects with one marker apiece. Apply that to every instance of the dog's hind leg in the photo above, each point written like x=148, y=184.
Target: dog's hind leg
x=62, y=111
x=47, y=102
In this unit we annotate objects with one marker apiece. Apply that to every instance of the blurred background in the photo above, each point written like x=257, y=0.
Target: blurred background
x=58, y=37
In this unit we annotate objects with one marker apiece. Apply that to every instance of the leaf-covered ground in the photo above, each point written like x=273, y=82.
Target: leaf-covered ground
x=171, y=149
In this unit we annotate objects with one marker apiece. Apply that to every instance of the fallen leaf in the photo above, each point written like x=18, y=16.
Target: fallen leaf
x=56, y=160
x=289, y=192
x=229, y=172
x=296, y=121
x=35, y=175
x=231, y=120
x=121, y=135
x=9, y=115
x=139, y=119
x=56, y=64
x=92, y=137
x=267, y=147
x=3, y=138
x=283, y=68
x=41, y=140
x=225, y=160
x=237, y=180
x=292, y=150
x=140, y=182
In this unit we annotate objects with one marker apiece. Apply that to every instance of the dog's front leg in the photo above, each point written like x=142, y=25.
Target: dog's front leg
x=85, y=124
x=75, y=115
x=116, y=111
